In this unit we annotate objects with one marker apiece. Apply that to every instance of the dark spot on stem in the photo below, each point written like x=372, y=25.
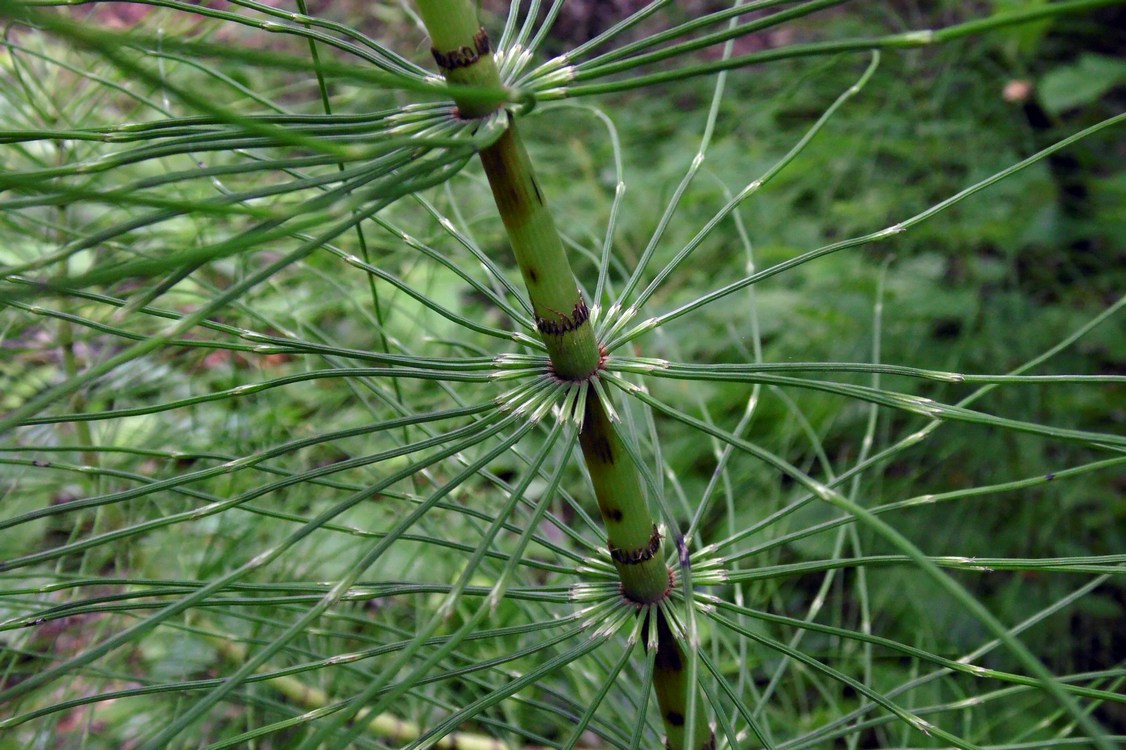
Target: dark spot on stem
x=533, y=276
x=41, y=464
x=668, y=653
x=1049, y=477
x=676, y=718
x=600, y=446
x=614, y=514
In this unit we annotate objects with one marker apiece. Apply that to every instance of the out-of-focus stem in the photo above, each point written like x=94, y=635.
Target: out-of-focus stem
x=385, y=725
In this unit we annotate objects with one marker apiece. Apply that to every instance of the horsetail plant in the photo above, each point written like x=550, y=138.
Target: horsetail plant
x=462, y=51
x=294, y=456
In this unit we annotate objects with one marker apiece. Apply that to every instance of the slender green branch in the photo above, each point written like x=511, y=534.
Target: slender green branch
x=385, y=725
x=601, y=66
x=883, y=234
x=905, y=40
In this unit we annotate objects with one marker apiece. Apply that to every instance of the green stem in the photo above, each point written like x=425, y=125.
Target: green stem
x=671, y=684
x=635, y=544
x=561, y=313
x=461, y=49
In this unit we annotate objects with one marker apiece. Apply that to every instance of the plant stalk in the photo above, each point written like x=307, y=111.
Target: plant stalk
x=461, y=49
x=634, y=540
x=671, y=684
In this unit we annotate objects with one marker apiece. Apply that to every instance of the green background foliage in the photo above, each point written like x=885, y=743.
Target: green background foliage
x=222, y=404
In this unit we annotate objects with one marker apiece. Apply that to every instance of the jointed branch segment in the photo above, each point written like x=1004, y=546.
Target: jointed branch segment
x=465, y=55
x=565, y=324
x=462, y=51
x=633, y=538
x=670, y=682
x=640, y=554
x=538, y=248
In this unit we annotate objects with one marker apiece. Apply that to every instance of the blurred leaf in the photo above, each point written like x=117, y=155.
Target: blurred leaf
x=1081, y=82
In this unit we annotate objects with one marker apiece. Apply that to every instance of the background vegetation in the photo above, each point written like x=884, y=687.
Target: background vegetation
x=204, y=480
